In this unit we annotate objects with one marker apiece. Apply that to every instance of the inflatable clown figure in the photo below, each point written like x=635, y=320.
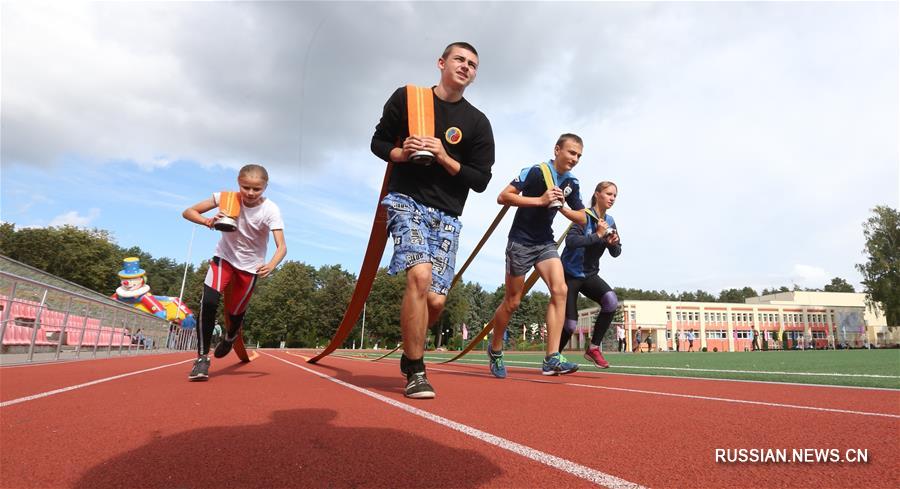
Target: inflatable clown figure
x=135, y=291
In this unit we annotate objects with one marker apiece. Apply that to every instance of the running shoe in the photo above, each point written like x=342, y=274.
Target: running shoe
x=497, y=366
x=417, y=386
x=594, y=356
x=556, y=364
x=200, y=370
x=224, y=346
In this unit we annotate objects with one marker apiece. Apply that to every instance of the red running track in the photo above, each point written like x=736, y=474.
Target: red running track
x=280, y=422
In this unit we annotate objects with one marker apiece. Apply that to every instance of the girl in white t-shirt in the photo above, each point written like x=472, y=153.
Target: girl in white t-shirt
x=239, y=260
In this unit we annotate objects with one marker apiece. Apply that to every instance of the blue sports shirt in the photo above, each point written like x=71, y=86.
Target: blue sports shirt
x=533, y=225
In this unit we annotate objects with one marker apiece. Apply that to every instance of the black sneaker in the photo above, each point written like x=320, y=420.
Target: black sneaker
x=224, y=346
x=200, y=370
x=417, y=386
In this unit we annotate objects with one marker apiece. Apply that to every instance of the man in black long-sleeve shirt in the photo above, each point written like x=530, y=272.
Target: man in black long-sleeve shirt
x=424, y=202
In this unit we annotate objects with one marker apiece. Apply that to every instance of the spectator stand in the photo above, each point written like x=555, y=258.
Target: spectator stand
x=45, y=318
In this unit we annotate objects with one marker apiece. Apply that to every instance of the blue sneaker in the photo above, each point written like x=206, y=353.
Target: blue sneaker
x=556, y=364
x=497, y=367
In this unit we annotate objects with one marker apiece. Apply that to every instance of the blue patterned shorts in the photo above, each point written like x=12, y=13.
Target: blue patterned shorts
x=422, y=235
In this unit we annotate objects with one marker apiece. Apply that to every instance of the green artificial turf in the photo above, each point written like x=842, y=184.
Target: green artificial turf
x=861, y=368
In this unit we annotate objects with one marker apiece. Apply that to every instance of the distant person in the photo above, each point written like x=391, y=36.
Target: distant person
x=649, y=342
x=620, y=336
x=217, y=332
x=172, y=342
x=690, y=339
x=637, y=341
x=581, y=264
x=239, y=260
x=425, y=199
x=755, y=340
x=531, y=244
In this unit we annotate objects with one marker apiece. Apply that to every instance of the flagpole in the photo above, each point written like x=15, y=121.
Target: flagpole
x=184, y=276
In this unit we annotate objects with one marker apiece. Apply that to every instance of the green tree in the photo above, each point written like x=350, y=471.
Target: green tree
x=736, y=295
x=334, y=287
x=532, y=309
x=697, y=296
x=773, y=290
x=383, y=309
x=881, y=272
x=282, y=308
x=456, y=310
x=643, y=295
x=839, y=285
x=89, y=258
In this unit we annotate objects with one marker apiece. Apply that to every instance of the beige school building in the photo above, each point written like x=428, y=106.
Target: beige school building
x=803, y=319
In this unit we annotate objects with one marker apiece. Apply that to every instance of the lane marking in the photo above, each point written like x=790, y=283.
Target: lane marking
x=532, y=366
x=692, y=396
x=689, y=369
x=87, y=384
x=736, y=401
x=687, y=396
x=564, y=465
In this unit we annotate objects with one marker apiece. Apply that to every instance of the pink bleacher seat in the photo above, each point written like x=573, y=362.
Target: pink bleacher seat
x=21, y=335
x=11, y=334
x=25, y=311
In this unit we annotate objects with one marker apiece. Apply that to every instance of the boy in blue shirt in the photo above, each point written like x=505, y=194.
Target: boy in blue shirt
x=531, y=244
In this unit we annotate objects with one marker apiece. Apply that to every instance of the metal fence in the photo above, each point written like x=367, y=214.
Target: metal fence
x=45, y=318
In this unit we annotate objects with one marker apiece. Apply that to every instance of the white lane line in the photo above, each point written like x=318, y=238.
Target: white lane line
x=690, y=369
x=532, y=366
x=737, y=401
x=86, y=384
x=564, y=465
x=691, y=396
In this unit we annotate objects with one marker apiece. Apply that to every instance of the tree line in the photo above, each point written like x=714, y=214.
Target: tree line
x=302, y=305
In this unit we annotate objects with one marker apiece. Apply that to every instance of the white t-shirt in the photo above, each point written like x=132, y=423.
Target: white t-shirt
x=246, y=247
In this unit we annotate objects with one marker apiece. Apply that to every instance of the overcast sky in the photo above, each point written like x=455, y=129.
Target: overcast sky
x=749, y=141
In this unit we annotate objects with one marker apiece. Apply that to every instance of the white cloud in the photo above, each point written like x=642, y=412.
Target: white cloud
x=739, y=133
x=809, y=276
x=73, y=218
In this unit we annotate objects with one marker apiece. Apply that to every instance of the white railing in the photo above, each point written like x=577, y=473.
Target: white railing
x=40, y=321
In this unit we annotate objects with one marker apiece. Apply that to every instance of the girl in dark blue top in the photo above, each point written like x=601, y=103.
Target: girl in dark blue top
x=581, y=263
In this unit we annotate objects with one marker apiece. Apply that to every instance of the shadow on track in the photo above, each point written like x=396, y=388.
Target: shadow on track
x=298, y=448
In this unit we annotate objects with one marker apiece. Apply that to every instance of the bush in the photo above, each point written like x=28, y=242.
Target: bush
x=715, y=349
x=703, y=349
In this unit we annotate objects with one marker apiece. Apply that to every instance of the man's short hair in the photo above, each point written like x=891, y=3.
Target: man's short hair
x=569, y=136
x=460, y=44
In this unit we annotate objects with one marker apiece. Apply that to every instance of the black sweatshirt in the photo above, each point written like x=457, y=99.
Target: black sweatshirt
x=467, y=137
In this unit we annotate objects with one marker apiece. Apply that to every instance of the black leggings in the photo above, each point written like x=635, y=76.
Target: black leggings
x=594, y=288
x=209, y=305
